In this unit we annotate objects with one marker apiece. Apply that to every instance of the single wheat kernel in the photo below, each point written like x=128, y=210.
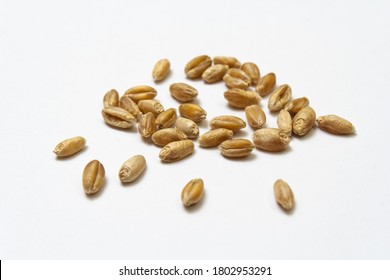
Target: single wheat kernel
x=93, y=177
x=183, y=92
x=165, y=136
x=192, y=193
x=236, y=148
x=111, y=99
x=132, y=169
x=240, y=98
x=335, y=124
x=252, y=71
x=188, y=127
x=214, y=73
x=192, y=111
x=161, y=70
x=214, y=137
x=304, y=121
x=69, y=146
x=196, y=66
x=177, y=150
x=283, y=194
x=118, y=117
x=255, y=116
x=271, y=139
x=147, y=125
x=266, y=84
x=236, y=78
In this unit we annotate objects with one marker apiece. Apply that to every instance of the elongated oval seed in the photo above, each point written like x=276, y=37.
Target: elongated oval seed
x=214, y=73
x=266, y=84
x=283, y=194
x=125, y=102
x=335, y=124
x=132, y=168
x=141, y=92
x=270, y=139
x=193, y=112
x=161, y=70
x=255, y=116
x=192, y=193
x=111, y=98
x=147, y=125
x=196, y=66
x=232, y=123
x=140, y=89
x=304, y=121
x=297, y=104
x=236, y=78
x=93, y=177
x=152, y=106
x=166, y=119
x=232, y=62
x=167, y=135
x=214, y=137
x=118, y=117
x=183, y=92
x=188, y=127
x=69, y=146
x=240, y=98
x=279, y=98
x=252, y=71
x=284, y=122
x=236, y=148
x=177, y=150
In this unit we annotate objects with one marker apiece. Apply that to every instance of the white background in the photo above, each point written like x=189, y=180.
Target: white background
x=57, y=60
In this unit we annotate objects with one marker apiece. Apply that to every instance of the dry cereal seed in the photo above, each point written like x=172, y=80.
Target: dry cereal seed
x=240, y=98
x=118, y=117
x=188, y=127
x=161, y=70
x=69, y=146
x=152, y=106
x=141, y=92
x=279, y=98
x=271, y=139
x=192, y=193
x=304, y=121
x=192, y=111
x=111, y=98
x=236, y=78
x=147, y=125
x=214, y=73
x=297, y=104
x=132, y=168
x=252, y=71
x=167, y=135
x=125, y=102
x=232, y=123
x=236, y=148
x=266, y=84
x=232, y=62
x=283, y=194
x=166, y=119
x=214, y=137
x=284, y=122
x=93, y=177
x=183, y=92
x=196, y=66
x=255, y=116
x=177, y=150
x=335, y=124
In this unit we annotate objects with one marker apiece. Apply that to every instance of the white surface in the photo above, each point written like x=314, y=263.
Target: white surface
x=58, y=60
